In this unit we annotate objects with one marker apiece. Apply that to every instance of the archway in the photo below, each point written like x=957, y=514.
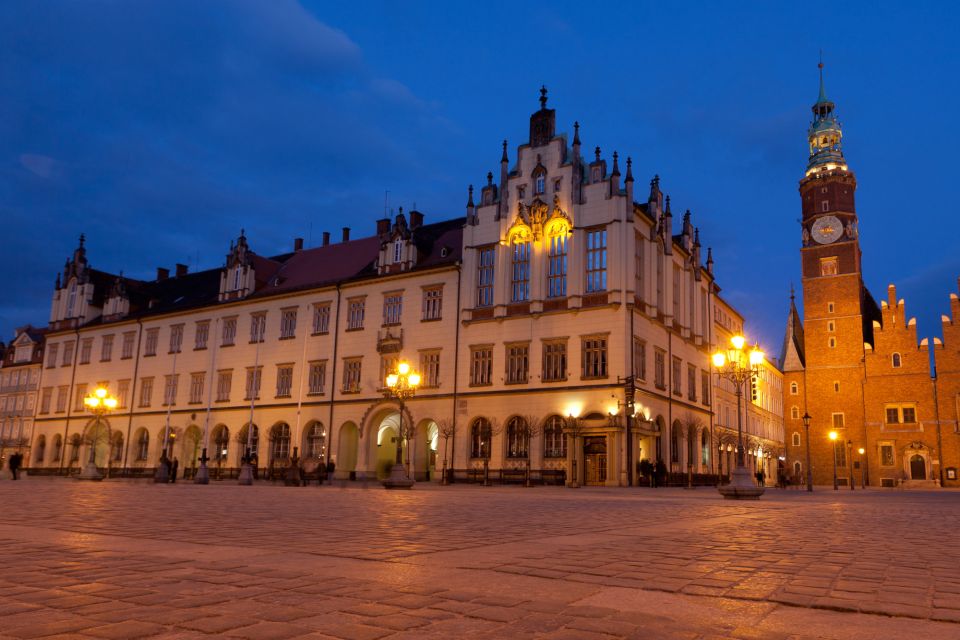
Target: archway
x=384, y=445
x=595, y=460
x=190, y=447
x=424, y=450
x=279, y=444
x=39, y=449
x=141, y=446
x=96, y=434
x=918, y=467
x=347, y=447
x=314, y=445
x=57, y=452
x=248, y=439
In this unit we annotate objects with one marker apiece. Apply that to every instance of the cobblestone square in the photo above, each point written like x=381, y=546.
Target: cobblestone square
x=120, y=559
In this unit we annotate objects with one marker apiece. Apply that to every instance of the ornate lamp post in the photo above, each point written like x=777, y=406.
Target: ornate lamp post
x=99, y=403
x=806, y=425
x=833, y=442
x=863, y=470
x=739, y=367
x=401, y=385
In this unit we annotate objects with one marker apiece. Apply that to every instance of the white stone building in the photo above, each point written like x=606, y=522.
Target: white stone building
x=528, y=319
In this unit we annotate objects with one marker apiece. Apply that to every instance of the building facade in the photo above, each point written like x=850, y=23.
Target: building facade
x=533, y=321
x=19, y=385
x=855, y=367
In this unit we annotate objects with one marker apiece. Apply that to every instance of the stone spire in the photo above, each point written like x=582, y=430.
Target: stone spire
x=824, y=135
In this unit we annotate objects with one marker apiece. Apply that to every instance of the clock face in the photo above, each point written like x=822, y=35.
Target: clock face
x=827, y=229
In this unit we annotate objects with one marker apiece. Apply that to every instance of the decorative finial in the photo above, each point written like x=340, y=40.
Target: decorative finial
x=616, y=167
x=823, y=93
x=709, y=257
x=667, y=211
x=576, y=133
x=629, y=177
x=470, y=196
x=504, y=157
x=489, y=178
x=596, y=152
x=696, y=236
x=792, y=296
x=686, y=216
x=243, y=233
x=543, y=96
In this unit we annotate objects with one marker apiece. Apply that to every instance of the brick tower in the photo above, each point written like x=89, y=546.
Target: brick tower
x=825, y=354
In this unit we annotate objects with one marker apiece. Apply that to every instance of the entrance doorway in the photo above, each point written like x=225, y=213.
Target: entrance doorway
x=918, y=468
x=595, y=460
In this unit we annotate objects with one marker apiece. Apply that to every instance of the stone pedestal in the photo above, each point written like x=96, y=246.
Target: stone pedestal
x=398, y=478
x=246, y=475
x=742, y=486
x=203, y=474
x=90, y=472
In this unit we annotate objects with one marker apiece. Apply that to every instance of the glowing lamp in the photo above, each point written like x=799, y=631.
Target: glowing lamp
x=91, y=402
x=392, y=380
x=403, y=368
x=110, y=403
x=414, y=379
x=756, y=357
x=860, y=450
x=738, y=342
x=832, y=435
x=719, y=360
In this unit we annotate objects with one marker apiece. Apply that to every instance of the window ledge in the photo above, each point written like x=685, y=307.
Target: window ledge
x=287, y=337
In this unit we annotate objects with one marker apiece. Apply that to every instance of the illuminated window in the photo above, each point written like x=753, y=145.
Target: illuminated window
x=596, y=260
x=485, y=273
x=557, y=267
x=554, y=441
x=540, y=184
x=520, y=275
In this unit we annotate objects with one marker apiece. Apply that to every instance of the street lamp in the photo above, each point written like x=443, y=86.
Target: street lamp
x=739, y=366
x=833, y=441
x=850, y=463
x=863, y=482
x=806, y=425
x=99, y=403
x=401, y=385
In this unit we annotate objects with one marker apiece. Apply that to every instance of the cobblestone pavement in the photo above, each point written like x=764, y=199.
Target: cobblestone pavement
x=119, y=559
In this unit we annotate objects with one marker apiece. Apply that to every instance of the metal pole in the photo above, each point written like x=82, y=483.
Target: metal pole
x=835, y=485
x=809, y=470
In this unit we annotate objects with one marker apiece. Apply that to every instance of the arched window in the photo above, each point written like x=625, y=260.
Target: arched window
x=554, y=440
x=221, y=442
x=71, y=298
x=57, y=448
x=675, y=444
x=253, y=442
x=143, y=445
x=797, y=468
x=280, y=442
x=557, y=266
x=518, y=438
x=796, y=439
x=116, y=447
x=316, y=442
x=75, y=442
x=397, y=250
x=896, y=361
x=539, y=182
x=794, y=389
x=520, y=276
x=480, y=435
x=795, y=412
x=704, y=448
x=41, y=445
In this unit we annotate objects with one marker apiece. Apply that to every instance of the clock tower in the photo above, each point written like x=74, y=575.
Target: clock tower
x=835, y=320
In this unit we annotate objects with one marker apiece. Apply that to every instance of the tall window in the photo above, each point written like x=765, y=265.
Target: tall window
x=388, y=364
x=554, y=440
x=316, y=444
x=143, y=445
x=252, y=391
x=52, y=355
x=146, y=391
x=705, y=387
x=480, y=436
x=430, y=368
x=221, y=441
x=86, y=346
x=229, y=333
x=123, y=390
x=398, y=250
x=280, y=442
x=485, y=272
x=886, y=455
x=659, y=369
x=224, y=382
x=518, y=363
x=796, y=439
x=638, y=265
x=81, y=393
x=596, y=260
x=355, y=311
x=520, y=274
x=170, y=389
x=539, y=183
x=838, y=422
x=62, y=392
x=351, y=375
x=392, y=308
x=201, y=334
x=318, y=377
x=691, y=383
x=660, y=300
x=284, y=380
x=554, y=361
x=518, y=438
x=67, y=353
x=594, y=357
x=106, y=348
x=196, y=387
x=639, y=359
x=896, y=360
x=71, y=298
x=45, y=398
x=288, y=323
x=150, y=344
x=557, y=267
x=176, y=338
x=258, y=326
x=481, y=366
x=676, y=293
x=432, y=303
x=321, y=318
x=840, y=451
x=675, y=377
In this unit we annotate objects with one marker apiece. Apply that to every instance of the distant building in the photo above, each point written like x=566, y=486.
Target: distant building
x=19, y=383
x=531, y=320
x=854, y=366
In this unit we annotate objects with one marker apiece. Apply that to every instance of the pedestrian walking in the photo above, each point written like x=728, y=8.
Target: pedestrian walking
x=173, y=469
x=15, y=464
x=331, y=467
x=660, y=474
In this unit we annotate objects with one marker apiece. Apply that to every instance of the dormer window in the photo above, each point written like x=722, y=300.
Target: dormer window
x=397, y=250
x=71, y=298
x=236, y=279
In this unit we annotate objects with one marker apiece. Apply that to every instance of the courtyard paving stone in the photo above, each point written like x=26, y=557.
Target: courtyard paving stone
x=121, y=559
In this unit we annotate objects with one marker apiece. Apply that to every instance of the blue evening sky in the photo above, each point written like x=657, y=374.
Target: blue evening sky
x=160, y=129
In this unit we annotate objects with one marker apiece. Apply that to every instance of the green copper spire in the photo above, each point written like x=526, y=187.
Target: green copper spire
x=823, y=92
x=824, y=134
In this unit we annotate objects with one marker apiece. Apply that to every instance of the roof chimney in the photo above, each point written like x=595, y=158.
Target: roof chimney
x=162, y=273
x=416, y=219
x=346, y=234
x=182, y=270
x=383, y=226
x=298, y=244
x=326, y=238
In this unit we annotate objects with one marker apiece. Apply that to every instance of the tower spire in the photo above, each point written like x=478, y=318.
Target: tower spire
x=823, y=93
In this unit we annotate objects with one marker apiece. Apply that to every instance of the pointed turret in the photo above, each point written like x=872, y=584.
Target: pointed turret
x=792, y=355
x=503, y=207
x=576, y=176
x=824, y=135
x=542, y=122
